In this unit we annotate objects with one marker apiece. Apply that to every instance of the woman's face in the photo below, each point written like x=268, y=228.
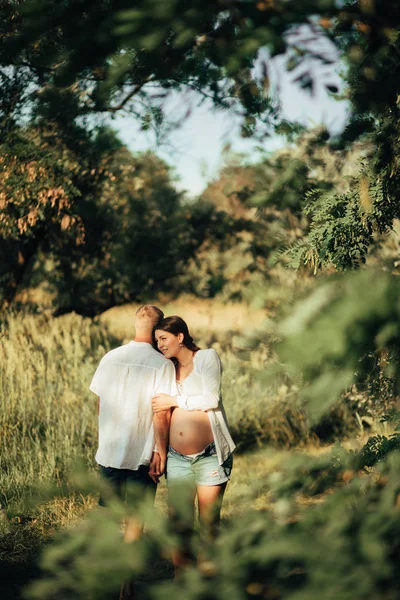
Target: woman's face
x=168, y=343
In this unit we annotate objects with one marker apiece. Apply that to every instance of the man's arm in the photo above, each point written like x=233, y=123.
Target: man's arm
x=154, y=467
x=165, y=382
x=161, y=423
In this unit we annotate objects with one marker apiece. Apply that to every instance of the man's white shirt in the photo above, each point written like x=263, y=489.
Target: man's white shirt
x=126, y=380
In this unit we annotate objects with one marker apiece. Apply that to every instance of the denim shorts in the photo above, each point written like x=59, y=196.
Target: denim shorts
x=200, y=470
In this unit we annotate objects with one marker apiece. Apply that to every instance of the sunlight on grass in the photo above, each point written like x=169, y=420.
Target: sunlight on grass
x=203, y=317
x=48, y=418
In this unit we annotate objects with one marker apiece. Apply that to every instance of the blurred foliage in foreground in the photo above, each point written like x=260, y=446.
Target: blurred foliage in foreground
x=320, y=507
x=349, y=326
x=345, y=546
x=344, y=335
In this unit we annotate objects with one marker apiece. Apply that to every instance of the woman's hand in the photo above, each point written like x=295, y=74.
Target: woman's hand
x=162, y=402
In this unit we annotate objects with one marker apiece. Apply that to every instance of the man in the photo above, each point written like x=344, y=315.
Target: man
x=125, y=381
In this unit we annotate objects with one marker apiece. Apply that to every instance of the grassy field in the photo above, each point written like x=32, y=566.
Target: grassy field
x=48, y=417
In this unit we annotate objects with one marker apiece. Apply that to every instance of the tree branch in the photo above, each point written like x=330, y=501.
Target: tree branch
x=131, y=94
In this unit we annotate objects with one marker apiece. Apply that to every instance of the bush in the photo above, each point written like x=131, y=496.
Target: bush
x=345, y=547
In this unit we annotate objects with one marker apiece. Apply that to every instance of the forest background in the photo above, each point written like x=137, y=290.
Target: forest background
x=293, y=261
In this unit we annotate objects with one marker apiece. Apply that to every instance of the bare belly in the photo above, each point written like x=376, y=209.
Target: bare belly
x=190, y=431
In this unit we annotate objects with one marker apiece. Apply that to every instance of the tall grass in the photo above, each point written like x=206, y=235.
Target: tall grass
x=48, y=417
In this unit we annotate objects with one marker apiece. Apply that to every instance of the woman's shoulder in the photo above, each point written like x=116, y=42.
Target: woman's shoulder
x=206, y=355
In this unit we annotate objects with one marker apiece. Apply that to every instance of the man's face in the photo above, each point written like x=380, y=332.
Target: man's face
x=167, y=343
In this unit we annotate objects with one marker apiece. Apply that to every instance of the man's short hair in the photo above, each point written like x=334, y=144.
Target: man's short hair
x=148, y=315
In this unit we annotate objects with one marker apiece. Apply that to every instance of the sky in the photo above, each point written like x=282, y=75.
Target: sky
x=197, y=147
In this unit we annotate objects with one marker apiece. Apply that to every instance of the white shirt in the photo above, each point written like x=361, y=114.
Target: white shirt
x=201, y=390
x=126, y=380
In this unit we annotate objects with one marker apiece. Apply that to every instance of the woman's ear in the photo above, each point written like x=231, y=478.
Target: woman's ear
x=180, y=337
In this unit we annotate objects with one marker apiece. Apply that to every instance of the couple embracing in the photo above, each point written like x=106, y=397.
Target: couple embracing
x=160, y=412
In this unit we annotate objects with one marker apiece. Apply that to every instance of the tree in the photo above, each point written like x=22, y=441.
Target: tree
x=106, y=52
x=112, y=224
x=102, y=57
x=37, y=193
x=139, y=239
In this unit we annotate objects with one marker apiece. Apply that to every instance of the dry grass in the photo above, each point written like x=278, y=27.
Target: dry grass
x=48, y=417
x=202, y=316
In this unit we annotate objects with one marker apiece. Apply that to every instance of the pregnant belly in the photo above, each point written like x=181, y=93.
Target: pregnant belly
x=190, y=431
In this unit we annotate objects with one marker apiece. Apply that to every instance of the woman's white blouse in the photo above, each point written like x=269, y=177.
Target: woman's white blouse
x=201, y=390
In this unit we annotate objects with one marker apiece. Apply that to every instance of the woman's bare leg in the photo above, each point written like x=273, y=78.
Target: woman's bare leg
x=210, y=501
x=181, y=513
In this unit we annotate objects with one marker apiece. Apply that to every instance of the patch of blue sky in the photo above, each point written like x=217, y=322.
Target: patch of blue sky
x=204, y=137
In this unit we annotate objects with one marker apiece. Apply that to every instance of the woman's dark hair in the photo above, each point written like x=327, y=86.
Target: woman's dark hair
x=177, y=325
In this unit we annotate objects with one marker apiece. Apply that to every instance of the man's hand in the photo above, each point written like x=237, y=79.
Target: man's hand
x=162, y=402
x=156, y=467
x=163, y=464
x=161, y=422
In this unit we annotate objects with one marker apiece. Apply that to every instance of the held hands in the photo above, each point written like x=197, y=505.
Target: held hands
x=162, y=402
x=156, y=467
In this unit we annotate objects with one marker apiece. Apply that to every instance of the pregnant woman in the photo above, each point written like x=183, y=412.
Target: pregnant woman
x=200, y=444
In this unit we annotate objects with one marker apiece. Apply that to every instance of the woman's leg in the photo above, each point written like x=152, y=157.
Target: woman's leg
x=181, y=513
x=210, y=501
x=181, y=497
